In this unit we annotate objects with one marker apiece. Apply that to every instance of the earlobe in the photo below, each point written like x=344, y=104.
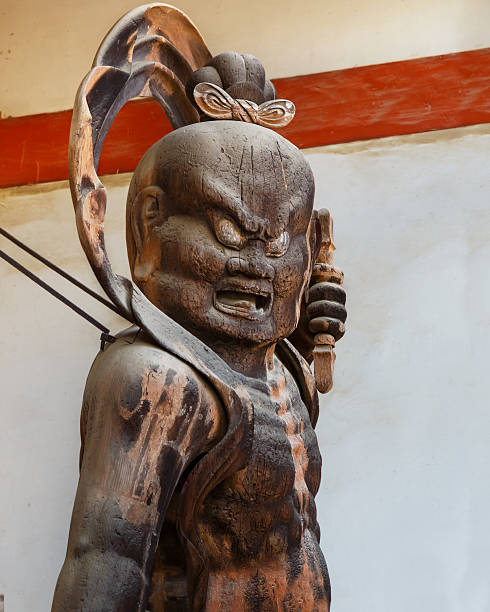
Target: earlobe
x=146, y=215
x=142, y=269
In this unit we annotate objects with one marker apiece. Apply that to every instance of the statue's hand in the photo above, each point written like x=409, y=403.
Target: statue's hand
x=325, y=310
x=322, y=310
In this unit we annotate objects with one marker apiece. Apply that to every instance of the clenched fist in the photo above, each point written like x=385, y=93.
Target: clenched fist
x=323, y=310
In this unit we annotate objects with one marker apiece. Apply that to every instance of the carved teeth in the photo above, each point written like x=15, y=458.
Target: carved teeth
x=239, y=300
x=242, y=302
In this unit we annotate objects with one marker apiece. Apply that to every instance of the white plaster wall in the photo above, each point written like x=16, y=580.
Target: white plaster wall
x=405, y=500
x=43, y=42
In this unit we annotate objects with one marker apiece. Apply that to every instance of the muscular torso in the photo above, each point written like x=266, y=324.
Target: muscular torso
x=258, y=526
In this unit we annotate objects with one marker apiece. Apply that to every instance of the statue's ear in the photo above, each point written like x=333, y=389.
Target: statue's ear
x=146, y=214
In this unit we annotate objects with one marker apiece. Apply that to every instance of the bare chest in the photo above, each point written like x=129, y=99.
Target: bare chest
x=285, y=460
x=264, y=508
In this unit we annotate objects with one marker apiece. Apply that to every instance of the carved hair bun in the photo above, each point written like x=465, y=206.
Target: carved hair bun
x=233, y=86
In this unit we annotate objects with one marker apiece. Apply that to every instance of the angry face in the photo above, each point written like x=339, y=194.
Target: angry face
x=220, y=231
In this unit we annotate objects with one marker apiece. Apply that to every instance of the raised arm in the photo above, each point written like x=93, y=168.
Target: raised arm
x=146, y=416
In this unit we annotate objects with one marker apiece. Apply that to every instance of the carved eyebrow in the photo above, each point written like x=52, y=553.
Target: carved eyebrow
x=220, y=196
x=231, y=205
x=246, y=222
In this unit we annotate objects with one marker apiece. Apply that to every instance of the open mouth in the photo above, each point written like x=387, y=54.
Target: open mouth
x=245, y=304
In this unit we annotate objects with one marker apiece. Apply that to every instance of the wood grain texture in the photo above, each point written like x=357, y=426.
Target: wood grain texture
x=221, y=241
x=390, y=99
x=323, y=353
x=199, y=462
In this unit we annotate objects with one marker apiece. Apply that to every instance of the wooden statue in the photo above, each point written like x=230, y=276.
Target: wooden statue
x=199, y=463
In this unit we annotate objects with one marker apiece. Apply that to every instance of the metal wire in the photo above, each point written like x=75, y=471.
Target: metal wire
x=54, y=293
x=58, y=270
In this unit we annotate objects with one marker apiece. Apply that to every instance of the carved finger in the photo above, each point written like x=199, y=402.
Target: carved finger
x=326, y=291
x=325, y=324
x=323, y=272
x=326, y=308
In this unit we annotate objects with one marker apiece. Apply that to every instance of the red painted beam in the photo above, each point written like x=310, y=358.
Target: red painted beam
x=421, y=95
x=391, y=99
x=35, y=148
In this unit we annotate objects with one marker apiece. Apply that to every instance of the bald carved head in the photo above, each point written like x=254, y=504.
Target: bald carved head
x=219, y=230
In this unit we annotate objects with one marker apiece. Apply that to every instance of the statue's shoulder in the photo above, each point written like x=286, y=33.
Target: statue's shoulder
x=133, y=353
x=133, y=370
x=141, y=402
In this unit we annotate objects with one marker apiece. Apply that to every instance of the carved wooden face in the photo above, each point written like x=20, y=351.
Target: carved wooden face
x=219, y=232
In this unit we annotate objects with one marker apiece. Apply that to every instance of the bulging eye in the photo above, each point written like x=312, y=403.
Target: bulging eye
x=278, y=246
x=228, y=233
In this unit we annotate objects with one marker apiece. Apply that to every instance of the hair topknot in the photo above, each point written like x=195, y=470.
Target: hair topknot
x=240, y=75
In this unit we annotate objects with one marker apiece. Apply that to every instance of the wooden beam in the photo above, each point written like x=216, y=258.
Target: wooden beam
x=407, y=97
x=421, y=95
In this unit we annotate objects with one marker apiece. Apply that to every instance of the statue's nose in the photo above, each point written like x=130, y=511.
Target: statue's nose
x=251, y=262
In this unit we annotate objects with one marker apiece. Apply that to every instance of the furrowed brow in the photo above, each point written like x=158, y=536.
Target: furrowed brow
x=226, y=202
